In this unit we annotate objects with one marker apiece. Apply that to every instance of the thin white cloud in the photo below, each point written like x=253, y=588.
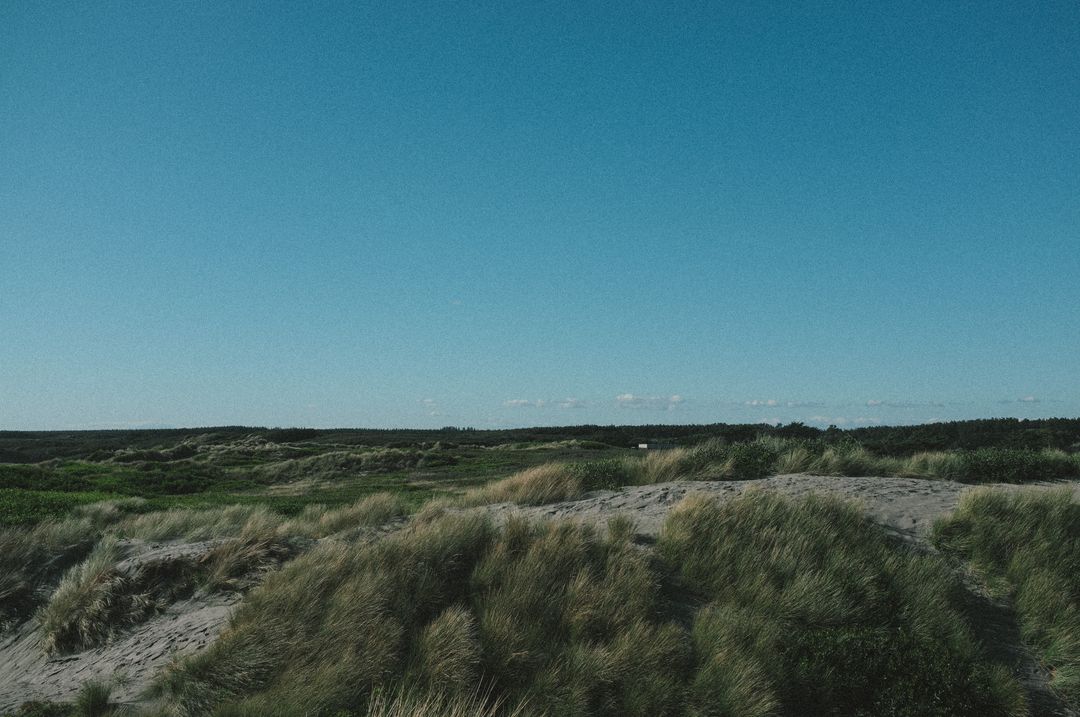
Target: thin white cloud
x=875, y=403
x=519, y=403
x=767, y=402
x=1028, y=399
x=571, y=403
x=653, y=403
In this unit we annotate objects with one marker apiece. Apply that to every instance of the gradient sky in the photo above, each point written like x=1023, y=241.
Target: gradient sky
x=495, y=214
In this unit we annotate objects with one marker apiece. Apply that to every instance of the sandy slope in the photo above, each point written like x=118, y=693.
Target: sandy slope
x=906, y=507
x=132, y=659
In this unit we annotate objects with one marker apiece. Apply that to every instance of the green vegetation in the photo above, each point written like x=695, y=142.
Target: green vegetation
x=287, y=470
x=93, y=700
x=758, y=606
x=1028, y=545
x=809, y=609
x=37, y=446
x=715, y=460
x=762, y=606
x=94, y=598
x=26, y=507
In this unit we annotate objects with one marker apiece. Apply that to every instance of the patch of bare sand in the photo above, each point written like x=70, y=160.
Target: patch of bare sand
x=129, y=661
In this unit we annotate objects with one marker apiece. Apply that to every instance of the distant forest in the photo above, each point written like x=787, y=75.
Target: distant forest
x=1063, y=433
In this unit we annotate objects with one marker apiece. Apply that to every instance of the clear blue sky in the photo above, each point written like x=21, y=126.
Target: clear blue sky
x=491, y=214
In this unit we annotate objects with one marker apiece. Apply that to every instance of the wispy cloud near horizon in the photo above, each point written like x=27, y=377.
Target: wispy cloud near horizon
x=652, y=403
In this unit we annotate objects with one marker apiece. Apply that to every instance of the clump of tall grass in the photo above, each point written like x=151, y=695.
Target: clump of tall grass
x=1030, y=543
x=30, y=558
x=105, y=593
x=809, y=609
x=318, y=521
x=435, y=704
x=86, y=606
x=547, y=483
x=93, y=700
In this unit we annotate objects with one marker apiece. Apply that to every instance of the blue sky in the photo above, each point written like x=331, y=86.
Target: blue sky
x=496, y=214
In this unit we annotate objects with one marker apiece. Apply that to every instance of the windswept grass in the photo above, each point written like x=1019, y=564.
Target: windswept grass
x=315, y=521
x=716, y=460
x=1028, y=543
x=809, y=610
x=93, y=700
x=763, y=606
x=94, y=598
x=403, y=704
x=84, y=609
x=32, y=556
x=548, y=483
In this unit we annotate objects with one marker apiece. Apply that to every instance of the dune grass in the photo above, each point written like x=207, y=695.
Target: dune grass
x=716, y=460
x=810, y=610
x=761, y=606
x=95, y=598
x=1028, y=544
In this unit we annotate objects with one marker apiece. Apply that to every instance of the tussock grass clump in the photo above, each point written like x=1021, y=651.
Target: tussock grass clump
x=1029, y=543
x=101, y=595
x=32, y=557
x=548, y=483
x=86, y=606
x=93, y=700
x=448, y=651
x=939, y=465
x=317, y=521
x=810, y=610
x=404, y=704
